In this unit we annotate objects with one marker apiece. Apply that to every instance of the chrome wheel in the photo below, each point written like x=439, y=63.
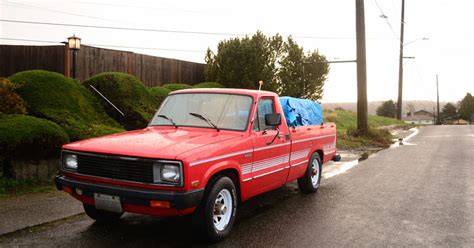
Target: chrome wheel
x=315, y=173
x=222, y=209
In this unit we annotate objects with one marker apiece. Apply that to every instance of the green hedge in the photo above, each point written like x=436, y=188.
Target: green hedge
x=30, y=137
x=127, y=93
x=60, y=99
x=158, y=94
x=173, y=87
x=208, y=85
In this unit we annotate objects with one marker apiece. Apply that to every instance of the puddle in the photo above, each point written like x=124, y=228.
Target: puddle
x=338, y=168
x=405, y=140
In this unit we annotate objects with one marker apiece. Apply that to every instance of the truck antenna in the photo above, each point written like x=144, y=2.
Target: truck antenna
x=260, y=83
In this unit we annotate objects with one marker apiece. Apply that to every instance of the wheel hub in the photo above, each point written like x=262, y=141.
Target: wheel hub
x=220, y=209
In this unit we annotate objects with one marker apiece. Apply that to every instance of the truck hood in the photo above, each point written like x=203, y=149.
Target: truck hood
x=153, y=142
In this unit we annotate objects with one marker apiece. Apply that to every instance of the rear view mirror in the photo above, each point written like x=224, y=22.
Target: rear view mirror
x=272, y=120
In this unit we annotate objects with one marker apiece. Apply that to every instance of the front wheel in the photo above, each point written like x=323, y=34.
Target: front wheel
x=309, y=183
x=216, y=215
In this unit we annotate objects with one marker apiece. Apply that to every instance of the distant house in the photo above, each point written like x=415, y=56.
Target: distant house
x=421, y=117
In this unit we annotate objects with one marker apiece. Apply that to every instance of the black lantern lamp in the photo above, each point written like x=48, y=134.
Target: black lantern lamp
x=74, y=44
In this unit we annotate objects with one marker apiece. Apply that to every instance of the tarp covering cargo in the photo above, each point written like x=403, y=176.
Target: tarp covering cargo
x=301, y=112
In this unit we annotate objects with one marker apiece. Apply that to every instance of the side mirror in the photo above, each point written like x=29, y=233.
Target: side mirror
x=272, y=120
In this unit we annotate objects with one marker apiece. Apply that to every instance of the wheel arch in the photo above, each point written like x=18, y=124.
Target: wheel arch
x=229, y=172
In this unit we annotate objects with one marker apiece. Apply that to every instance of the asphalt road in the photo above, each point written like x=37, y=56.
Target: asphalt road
x=418, y=194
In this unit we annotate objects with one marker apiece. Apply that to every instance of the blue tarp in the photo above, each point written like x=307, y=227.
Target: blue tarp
x=301, y=112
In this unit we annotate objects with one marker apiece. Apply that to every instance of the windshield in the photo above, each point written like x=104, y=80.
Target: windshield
x=226, y=111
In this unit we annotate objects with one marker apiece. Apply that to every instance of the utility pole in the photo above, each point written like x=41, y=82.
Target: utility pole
x=400, y=65
x=362, y=118
x=437, y=100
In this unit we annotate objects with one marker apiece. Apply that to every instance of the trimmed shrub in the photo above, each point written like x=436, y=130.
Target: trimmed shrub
x=158, y=94
x=173, y=87
x=208, y=85
x=10, y=102
x=52, y=96
x=28, y=137
x=129, y=95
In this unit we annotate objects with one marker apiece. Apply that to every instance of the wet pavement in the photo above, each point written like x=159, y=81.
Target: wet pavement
x=415, y=195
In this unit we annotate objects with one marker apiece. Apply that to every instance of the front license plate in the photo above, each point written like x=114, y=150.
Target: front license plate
x=108, y=202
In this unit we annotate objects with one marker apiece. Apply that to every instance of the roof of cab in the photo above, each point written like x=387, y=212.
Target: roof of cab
x=225, y=91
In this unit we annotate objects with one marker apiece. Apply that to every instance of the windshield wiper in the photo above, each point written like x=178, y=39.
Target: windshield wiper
x=205, y=119
x=169, y=119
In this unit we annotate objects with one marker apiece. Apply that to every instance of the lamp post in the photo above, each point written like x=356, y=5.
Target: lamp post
x=74, y=44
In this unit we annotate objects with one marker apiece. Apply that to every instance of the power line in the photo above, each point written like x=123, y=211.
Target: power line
x=385, y=17
x=133, y=6
x=161, y=30
x=107, y=45
x=19, y=5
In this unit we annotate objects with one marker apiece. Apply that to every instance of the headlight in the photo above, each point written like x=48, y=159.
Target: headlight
x=166, y=173
x=170, y=173
x=70, y=161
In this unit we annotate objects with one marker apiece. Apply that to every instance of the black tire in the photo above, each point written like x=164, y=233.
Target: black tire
x=305, y=183
x=101, y=216
x=203, y=218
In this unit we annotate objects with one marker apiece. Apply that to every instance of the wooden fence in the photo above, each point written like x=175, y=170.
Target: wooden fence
x=152, y=71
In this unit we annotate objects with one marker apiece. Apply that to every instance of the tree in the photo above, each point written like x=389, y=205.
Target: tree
x=301, y=75
x=449, y=111
x=466, y=108
x=241, y=63
x=282, y=65
x=387, y=109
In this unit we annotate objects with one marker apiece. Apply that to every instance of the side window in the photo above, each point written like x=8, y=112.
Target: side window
x=265, y=106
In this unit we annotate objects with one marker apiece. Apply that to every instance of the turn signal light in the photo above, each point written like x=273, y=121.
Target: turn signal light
x=160, y=204
x=67, y=189
x=195, y=184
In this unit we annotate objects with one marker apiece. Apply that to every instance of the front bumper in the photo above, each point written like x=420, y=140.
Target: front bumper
x=133, y=196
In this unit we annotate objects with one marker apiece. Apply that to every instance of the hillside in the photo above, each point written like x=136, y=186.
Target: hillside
x=372, y=106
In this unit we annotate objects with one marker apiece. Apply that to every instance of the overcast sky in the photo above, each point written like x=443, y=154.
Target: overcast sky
x=325, y=25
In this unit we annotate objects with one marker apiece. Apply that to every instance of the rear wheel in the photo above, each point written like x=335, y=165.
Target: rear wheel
x=309, y=183
x=101, y=216
x=216, y=215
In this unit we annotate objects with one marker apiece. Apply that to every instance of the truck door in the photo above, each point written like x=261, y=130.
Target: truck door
x=270, y=161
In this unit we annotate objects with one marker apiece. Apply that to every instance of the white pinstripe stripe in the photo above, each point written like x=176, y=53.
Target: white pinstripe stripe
x=320, y=137
x=300, y=163
x=271, y=162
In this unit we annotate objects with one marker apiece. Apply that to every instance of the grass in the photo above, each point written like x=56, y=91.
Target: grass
x=350, y=138
x=12, y=187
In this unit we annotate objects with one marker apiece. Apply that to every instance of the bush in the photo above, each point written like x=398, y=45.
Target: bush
x=127, y=93
x=10, y=102
x=158, y=94
x=60, y=99
x=30, y=137
x=173, y=87
x=208, y=85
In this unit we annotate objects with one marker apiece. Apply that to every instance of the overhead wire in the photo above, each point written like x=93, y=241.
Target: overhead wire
x=385, y=17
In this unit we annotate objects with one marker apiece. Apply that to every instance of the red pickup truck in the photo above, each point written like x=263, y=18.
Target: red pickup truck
x=204, y=152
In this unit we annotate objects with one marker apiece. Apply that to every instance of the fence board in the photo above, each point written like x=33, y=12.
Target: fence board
x=151, y=70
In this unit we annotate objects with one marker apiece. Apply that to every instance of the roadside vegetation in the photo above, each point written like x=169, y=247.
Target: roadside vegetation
x=10, y=187
x=350, y=138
